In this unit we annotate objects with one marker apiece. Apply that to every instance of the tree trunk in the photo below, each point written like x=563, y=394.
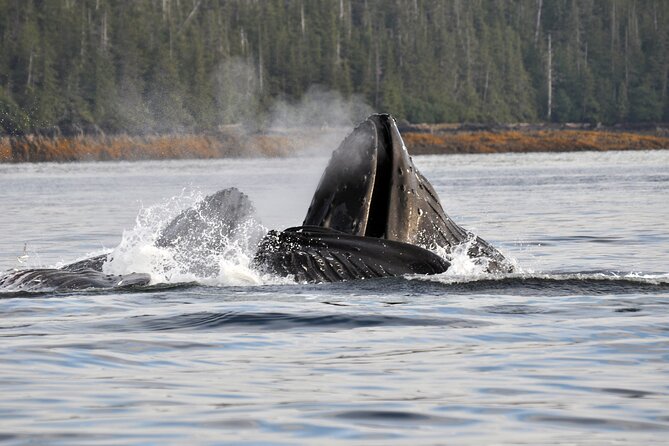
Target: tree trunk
x=550, y=78
x=536, y=28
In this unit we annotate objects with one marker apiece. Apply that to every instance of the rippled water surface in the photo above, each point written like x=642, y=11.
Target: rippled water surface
x=573, y=349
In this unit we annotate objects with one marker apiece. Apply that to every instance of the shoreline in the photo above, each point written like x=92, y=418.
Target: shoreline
x=232, y=143
x=515, y=141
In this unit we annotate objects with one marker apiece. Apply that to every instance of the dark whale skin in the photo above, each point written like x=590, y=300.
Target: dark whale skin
x=316, y=254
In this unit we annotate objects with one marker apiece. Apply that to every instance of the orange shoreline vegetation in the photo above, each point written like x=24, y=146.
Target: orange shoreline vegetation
x=531, y=141
x=35, y=148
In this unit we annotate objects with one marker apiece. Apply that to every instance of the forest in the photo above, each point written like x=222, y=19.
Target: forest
x=166, y=66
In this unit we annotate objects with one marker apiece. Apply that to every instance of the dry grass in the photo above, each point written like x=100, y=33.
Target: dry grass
x=5, y=149
x=531, y=141
x=33, y=148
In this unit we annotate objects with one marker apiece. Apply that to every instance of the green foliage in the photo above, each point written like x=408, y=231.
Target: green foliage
x=12, y=119
x=169, y=65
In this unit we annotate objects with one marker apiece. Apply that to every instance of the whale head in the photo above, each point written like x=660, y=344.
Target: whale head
x=372, y=188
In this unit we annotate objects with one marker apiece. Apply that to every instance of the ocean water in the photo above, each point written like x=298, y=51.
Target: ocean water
x=572, y=349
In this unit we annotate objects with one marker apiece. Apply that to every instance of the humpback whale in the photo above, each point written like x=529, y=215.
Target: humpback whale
x=372, y=215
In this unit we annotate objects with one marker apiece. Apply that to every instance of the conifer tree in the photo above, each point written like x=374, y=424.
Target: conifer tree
x=169, y=65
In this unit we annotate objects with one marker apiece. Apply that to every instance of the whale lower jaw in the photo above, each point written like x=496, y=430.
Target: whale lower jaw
x=315, y=254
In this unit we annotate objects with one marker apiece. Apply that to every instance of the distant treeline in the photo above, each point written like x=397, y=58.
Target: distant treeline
x=155, y=66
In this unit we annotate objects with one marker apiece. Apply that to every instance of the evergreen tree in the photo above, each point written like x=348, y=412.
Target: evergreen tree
x=168, y=65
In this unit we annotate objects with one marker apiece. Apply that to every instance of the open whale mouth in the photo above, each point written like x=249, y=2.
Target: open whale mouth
x=377, y=211
x=355, y=192
x=372, y=188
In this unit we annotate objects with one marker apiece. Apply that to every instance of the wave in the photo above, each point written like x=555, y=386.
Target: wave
x=557, y=283
x=278, y=321
x=36, y=292
x=521, y=284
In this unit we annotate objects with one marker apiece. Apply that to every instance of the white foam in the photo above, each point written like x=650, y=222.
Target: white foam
x=464, y=268
x=464, y=275
x=190, y=259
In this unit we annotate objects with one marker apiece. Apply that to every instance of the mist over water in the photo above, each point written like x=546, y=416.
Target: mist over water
x=319, y=118
x=573, y=348
x=320, y=111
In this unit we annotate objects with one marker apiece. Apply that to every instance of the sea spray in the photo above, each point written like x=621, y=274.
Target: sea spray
x=218, y=249
x=465, y=267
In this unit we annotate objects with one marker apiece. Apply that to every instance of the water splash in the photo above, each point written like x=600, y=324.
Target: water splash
x=464, y=266
x=217, y=254
x=467, y=269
